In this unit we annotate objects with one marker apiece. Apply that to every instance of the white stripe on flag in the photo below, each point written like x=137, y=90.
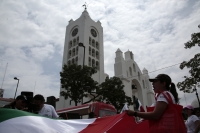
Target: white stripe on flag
x=33, y=124
x=139, y=104
x=16, y=121
x=124, y=108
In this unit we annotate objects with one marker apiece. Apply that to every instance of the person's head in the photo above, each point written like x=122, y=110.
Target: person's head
x=20, y=102
x=163, y=82
x=189, y=110
x=38, y=101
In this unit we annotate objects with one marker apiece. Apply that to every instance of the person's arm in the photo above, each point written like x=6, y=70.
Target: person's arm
x=54, y=114
x=197, y=123
x=155, y=115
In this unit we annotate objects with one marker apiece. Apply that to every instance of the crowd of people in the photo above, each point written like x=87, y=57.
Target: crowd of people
x=163, y=115
x=37, y=106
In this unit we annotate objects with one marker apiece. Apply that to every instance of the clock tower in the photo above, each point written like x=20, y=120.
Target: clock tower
x=90, y=33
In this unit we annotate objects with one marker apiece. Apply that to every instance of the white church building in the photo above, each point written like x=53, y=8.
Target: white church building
x=90, y=33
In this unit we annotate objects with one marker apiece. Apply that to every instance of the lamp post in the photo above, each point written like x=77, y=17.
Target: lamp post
x=15, y=78
x=81, y=45
x=196, y=94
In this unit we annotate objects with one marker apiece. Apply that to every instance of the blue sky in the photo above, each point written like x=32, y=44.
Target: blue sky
x=32, y=38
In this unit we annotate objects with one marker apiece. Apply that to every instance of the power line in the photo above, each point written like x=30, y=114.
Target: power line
x=165, y=67
x=159, y=69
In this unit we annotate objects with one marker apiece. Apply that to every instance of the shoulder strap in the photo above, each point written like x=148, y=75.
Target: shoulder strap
x=168, y=97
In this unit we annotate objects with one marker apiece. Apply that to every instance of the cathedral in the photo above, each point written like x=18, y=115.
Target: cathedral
x=89, y=33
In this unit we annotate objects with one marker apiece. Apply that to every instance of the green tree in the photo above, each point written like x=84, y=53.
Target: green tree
x=111, y=91
x=77, y=82
x=193, y=65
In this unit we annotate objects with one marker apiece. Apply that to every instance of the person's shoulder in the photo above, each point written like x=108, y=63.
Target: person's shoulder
x=194, y=117
x=48, y=105
x=167, y=93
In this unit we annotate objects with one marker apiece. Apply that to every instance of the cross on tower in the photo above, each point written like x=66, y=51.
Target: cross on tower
x=85, y=6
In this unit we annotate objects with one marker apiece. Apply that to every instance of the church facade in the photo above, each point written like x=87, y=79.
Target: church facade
x=90, y=33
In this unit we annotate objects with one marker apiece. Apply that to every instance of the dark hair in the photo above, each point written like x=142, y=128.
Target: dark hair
x=169, y=85
x=39, y=97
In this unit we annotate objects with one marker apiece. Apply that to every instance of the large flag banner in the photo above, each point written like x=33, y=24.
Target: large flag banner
x=16, y=121
x=124, y=108
x=140, y=108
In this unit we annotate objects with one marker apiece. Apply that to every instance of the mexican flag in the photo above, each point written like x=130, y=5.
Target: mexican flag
x=16, y=121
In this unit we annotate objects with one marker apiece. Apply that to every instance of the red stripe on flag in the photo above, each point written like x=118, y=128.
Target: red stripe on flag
x=121, y=123
x=129, y=125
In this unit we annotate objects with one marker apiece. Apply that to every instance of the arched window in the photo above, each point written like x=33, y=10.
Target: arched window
x=77, y=40
x=130, y=70
x=77, y=50
x=73, y=61
x=74, y=42
x=97, y=65
x=93, y=63
x=70, y=54
x=89, y=61
x=133, y=86
x=90, y=51
x=97, y=54
x=138, y=75
x=93, y=42
x=70, y=44
x=73, y=52
x=93, y=52
x=97, y=45
x=90, y=40
x=134, y=67
x=76, y=60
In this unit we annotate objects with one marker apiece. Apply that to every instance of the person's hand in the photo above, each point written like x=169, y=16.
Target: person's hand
x=130, y=112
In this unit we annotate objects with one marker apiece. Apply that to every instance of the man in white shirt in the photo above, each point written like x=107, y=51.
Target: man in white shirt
x=44, y=109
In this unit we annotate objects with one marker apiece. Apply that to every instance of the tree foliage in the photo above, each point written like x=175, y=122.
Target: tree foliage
x=193, y=65
x=111, y=91
x=77, y=82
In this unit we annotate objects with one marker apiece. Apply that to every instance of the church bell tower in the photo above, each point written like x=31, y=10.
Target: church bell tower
x=90, y=33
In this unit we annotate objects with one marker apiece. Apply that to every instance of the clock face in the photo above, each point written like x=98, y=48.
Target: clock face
x=93, y=32
x=75, y=31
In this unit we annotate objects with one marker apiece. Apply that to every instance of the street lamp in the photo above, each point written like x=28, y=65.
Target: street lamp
x=15, y=78
x=81, y=45
x=196, y=94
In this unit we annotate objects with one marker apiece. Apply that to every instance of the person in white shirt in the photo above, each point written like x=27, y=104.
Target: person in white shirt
x=43, y=109
x=192, y=123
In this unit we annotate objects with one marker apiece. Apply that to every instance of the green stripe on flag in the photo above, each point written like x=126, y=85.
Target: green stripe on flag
x=6, y=114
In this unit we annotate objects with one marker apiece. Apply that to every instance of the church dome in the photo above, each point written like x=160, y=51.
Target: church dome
x=195, y=103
